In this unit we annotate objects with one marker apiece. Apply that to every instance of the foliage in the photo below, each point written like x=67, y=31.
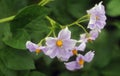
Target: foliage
x=30, y=23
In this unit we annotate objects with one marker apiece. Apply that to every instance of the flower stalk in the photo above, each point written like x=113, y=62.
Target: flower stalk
x=7, y=19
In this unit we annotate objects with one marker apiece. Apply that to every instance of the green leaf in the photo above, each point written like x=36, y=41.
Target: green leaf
x=23, y=72
x=4, y=71
x=77, y=8
x=10, y=7
x=18, y=39
x=29, y=24
x=27, y=15
x=4, y=30
x=36, y=73
x=1, y=73
x=59, y=13
x=48, y=60
x=38, y=29
x=17, y=59
x=91, y=72
x=71, y=10
x=113, y=8
x=117, y=24
x=113, y=69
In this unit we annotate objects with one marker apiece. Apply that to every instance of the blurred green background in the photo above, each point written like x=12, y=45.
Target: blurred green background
x=30, y=24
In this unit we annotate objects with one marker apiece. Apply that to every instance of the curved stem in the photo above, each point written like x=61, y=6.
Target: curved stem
x=69, y=25
x=7, y=19
x=83, y=17
x=40, y=43
x=54, y=33
x=82, y=27
x=83, y=20
x=44, y=2
x=45, y=37
x=53, y=22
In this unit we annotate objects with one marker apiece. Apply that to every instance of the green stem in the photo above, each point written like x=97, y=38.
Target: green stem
x=83, y=17
x=40, y=43
x=54, y=33
x=53, y=22
x=7, y=19
x=83, y=20
x=82, y=27
x=69, y=25
x=44, y=2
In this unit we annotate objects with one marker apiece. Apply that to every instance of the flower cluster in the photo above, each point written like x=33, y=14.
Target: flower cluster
x=63, y=47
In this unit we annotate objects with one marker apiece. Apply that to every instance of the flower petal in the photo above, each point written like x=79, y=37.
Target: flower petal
x=69, y=44
x=79, y=56
x=50, y=41
x=44, y=49
x=83, y=38
x=94, y=34
x=52, y=52
x=72, y=65
x=64, y=55
x=64, y=34
x=92, y=19
x=31, y=46
x=89, y=56
x=81, y=47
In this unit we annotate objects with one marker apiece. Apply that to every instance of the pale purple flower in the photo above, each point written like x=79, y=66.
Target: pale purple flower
x=84, y=38
x=34, y=47
x=97, y=17
x=81, y=47
x=79, y=62
x=60, y=47
x=94, y=34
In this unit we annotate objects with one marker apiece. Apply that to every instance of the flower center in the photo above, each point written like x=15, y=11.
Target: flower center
x=89, y=40
x=74, y=52
x=81, y=61
x=59, y=43
x=97, y=18
x=37, y=51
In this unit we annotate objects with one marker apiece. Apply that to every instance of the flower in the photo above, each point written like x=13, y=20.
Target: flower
x=81, y=47
x=94, y=34
x=79, y=62
x=60, y=47
x=34, y=47
x=97, y=17
x=84, y=38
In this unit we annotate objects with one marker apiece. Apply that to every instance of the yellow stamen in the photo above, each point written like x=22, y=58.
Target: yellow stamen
x=90, y=40
x=81, y=62
x=74, y=52
x=37, y=51
x=59, y=43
